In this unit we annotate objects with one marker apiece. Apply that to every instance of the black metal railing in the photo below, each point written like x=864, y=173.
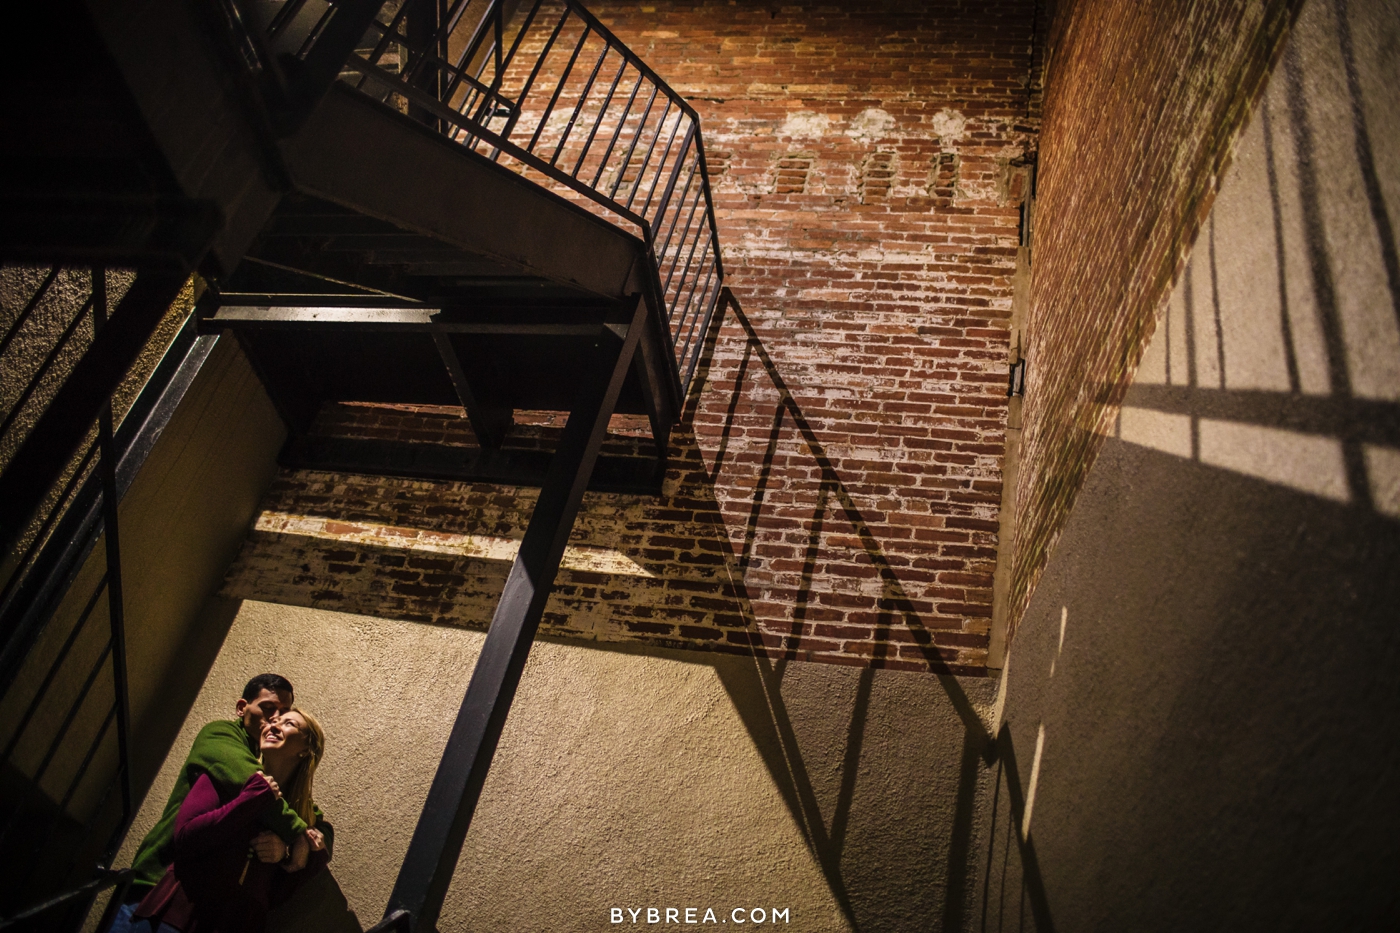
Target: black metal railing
x=63, y=681
x=398, y=921
x=63, y=712
x=288, y=52
x=545, y=87
x=77, y=896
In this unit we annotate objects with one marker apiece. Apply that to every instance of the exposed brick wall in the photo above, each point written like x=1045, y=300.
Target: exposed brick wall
x=834, y=492
x=1040, y=55
x=1143, y=102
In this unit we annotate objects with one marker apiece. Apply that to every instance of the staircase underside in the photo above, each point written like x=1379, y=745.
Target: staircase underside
x=404, y=269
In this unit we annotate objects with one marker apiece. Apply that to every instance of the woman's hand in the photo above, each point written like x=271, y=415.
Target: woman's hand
x=318, y=841
x=269, y=847
x=276, y=791
x=301, y=850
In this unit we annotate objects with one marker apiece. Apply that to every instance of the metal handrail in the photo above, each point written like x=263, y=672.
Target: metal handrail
x=545, y=86
x=120, y=879
x=399, y=921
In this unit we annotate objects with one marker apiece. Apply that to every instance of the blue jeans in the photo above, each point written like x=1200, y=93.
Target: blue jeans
x=123, y=923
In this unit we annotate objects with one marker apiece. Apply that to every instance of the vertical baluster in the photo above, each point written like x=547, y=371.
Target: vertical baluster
x=499, y=17
x=675, y=221
x=510, y=57
x=390, y=32
x=582, y=101
x=636, y=138
x=651, y=147
x=690, y=299
x=283, y=19
x=689, y=263
x=444, y=66
x=717, y=288
x=598, y=121
x=304, y=49
x=534, y=73
x=675, y=171
x=621, y=122
x=499, y=82
x=558, y=89
x=685, y=235
x=107, y=464
x=453, y=17
x=469, y=52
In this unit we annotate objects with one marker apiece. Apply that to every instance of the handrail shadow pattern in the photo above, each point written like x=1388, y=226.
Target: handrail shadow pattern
x=773, y=733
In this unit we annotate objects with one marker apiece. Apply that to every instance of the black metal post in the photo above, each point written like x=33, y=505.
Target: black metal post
x=425, y=53
x=437, y=841
x=489, y=422
x=111, y=499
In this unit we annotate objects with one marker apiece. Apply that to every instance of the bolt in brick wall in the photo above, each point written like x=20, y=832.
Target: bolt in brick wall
x=833, y=493
x=1142, y=104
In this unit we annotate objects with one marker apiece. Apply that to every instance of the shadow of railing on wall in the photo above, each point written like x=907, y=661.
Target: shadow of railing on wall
x=773, y=734
x=1295, y=382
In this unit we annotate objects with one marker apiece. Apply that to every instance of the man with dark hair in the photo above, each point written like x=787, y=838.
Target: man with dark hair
x=227, y=751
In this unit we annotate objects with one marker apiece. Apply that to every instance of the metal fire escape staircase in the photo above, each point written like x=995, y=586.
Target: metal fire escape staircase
x=490, y=204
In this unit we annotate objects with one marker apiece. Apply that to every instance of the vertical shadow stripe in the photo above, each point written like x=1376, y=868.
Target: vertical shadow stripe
x=1365, y=159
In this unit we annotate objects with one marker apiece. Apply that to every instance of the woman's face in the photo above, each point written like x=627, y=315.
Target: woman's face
x=287, y=734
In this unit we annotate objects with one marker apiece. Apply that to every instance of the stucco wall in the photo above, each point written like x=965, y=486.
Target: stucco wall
x=630, y=778
x=1143, y=102
x=1201, y=712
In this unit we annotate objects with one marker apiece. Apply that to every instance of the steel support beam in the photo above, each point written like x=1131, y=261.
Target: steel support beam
x=532, y=323
x=489, y=422
x=437, y=841
x=633, y=476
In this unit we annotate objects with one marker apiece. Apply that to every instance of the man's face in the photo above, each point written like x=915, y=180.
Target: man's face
x=260, y=710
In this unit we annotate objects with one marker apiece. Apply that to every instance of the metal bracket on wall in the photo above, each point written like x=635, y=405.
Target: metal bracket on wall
x=1016, y=379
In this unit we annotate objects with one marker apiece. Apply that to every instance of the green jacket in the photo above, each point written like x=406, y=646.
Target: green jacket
x=224, y=751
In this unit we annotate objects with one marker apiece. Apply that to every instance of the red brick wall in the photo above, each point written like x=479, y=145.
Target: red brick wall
x=1143, y=102
x=834, y=492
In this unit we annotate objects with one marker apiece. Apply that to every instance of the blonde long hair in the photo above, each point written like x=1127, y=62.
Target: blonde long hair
x=298, y=791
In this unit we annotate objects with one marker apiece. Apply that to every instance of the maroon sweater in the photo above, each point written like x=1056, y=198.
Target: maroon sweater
x=213, y=886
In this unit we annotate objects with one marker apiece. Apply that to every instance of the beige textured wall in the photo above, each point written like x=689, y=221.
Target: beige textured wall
x=1202, y=711
x=628, y=778
x=181, y=523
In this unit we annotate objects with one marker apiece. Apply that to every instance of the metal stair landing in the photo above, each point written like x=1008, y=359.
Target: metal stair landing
x=490, y=361
x=490, y=187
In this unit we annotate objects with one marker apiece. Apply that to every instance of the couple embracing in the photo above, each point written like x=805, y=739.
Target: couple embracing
x=240, y=832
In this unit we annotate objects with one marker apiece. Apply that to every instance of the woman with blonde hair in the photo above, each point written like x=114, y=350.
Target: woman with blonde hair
x=214, y=884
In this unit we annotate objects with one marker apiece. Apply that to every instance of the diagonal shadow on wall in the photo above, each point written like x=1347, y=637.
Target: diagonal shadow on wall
x=758, y=694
